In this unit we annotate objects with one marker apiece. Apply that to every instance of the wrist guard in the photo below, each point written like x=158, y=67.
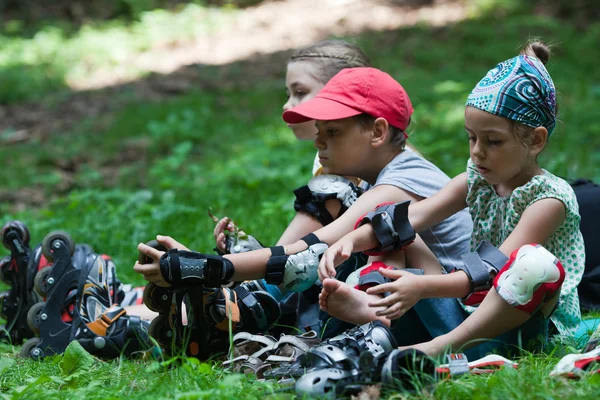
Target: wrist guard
x=311, y=198
x=391, y=225
x=179, y=267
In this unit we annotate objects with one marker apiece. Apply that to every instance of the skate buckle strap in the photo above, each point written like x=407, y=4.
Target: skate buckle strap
x=232, y=311
x=457, y=364
x=250, y=301
x=106, y=319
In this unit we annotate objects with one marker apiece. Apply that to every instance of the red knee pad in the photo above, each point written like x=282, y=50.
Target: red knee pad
x=370, y=276
x=531, y=276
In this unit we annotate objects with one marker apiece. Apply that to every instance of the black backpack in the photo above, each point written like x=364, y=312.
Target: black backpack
x=588, y=197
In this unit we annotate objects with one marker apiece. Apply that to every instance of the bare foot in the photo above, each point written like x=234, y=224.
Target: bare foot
x=344, y=302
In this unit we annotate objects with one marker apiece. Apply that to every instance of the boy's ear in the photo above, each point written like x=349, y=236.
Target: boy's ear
x=380, y=131
x=538, y=140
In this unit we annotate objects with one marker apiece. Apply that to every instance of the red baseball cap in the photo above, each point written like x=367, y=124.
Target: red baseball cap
x=355, y=91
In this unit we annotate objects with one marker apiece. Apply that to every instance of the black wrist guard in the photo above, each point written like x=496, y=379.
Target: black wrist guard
x=179, y=267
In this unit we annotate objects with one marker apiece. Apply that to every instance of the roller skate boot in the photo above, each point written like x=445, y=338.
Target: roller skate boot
x=18, y=271
x=249, y=306
x=80, y=289
x=181, y=324
x=101, y=325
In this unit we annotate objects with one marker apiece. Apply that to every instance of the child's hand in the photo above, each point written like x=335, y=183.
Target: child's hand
x=339, y=252
x=170, y=243
x=405, y=293
x=222, y=228
x=151, y=271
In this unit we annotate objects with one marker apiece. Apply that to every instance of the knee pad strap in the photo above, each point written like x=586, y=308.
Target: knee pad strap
x=530, y=277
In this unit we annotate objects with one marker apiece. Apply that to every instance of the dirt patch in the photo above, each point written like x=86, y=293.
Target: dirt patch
x=257, y=41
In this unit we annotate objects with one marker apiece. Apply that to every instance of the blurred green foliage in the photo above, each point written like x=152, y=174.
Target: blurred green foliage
x=224, y=146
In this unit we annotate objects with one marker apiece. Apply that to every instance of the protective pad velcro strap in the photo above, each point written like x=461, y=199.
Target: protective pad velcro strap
x=477, y=272
x=480, y=266
x=277, y=250
x=313, y=204
x=259, y=316
x=106, y=319
x=311, y=239
x=276, y=265
x=392, y=227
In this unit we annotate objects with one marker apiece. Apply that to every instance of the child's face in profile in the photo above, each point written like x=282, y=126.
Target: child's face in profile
x=344, y=146
x=301, y=85
x=499, y=155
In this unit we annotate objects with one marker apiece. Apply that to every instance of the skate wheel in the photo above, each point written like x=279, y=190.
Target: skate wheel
x=33, y=317
x=40, y=283
x=160, y=330
x=3, y=295
x=20, y=229
x=144, y=259
x=157, y=298
x=4, y=266
x=30, y=349
x=49, y=240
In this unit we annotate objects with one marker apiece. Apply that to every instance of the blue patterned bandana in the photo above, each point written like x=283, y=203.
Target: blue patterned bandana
x=519, y=89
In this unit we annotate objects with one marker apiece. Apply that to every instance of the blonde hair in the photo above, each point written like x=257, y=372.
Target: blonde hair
x=330, y=57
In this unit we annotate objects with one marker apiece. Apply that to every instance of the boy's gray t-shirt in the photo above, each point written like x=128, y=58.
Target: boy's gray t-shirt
x=449, y=239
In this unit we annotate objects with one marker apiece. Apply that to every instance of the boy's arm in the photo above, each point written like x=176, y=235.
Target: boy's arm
x=421, y=214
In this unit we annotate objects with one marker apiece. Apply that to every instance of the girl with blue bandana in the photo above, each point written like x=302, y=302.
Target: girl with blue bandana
x=509, y=117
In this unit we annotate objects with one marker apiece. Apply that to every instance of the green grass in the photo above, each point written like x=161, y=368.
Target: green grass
x=227, y=148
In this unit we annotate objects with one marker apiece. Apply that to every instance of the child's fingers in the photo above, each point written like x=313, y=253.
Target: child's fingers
x=150, y=251
x=392, y=273
x=144, y=269
x=380, y=289
x=221, y=242
x=220, y=226
x=170, y=243
x=391, y=310
x=395, y=315
x=384, y=301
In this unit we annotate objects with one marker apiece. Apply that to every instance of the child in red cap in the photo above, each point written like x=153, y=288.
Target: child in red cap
x=361, y=115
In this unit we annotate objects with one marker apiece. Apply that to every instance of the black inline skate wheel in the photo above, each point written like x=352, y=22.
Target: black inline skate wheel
x=49, y=240
x=40, y=283
x=157, y=298
x=34, y=317
x=160, y=330
x=21, y=230
x=144, y=259
x=4, y=272
x=30, y=349
x=3, y=295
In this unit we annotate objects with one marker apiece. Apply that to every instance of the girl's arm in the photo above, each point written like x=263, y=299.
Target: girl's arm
x=422, y=215
x=538, y=222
